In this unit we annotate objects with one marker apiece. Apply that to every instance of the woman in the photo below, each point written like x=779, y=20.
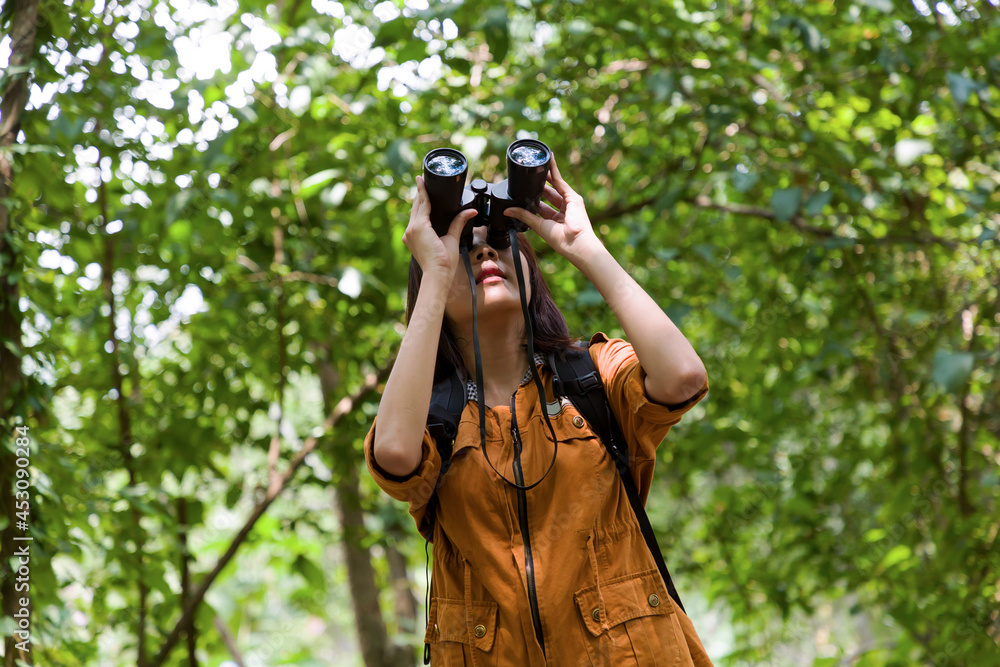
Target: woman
x=558, y=573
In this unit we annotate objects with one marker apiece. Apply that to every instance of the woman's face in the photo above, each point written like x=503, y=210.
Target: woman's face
x=496, y=283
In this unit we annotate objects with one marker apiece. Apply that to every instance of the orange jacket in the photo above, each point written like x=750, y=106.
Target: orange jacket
x=566, y=556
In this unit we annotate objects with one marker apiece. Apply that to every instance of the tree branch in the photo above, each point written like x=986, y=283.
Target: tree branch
x=799, y=222
x=343, y=407
x=294, y=276
x=274, y=451
x=124, y=419
x=182, y=520
x=230, y=643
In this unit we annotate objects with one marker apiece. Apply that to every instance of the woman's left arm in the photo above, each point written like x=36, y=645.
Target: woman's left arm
x=674, y=372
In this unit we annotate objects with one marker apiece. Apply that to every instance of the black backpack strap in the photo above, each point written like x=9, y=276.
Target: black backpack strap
x=577, y=379
x=448, y=399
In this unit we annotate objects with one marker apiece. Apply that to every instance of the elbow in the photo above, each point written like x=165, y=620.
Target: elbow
x=694, y=378
x=393, y=457
x=682, y=386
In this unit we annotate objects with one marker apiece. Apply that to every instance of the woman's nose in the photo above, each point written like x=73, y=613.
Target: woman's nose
x=486, y=251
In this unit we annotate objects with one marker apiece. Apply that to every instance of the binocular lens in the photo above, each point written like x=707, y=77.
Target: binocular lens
x=446, y=164
x=527, y=165
x=444, y=177
x=528, y=155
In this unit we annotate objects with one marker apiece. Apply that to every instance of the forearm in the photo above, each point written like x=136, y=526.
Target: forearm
x=674, y=372
x=402, y=412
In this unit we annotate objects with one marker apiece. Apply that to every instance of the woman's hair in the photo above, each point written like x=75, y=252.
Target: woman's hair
x=549, y=325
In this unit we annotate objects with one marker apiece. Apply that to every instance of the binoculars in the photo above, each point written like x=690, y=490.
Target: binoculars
x=445, y=170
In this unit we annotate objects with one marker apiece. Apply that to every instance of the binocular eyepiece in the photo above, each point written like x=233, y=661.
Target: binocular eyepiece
x=445, y=171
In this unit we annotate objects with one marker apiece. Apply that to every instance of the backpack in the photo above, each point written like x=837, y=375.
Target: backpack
x=576, y=378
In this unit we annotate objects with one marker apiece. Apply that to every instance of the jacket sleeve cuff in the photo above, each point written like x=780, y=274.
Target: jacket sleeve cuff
x=415, y=488
x=632, y=383
x=676, y=410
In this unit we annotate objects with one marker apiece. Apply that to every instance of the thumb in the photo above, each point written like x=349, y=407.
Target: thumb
x=525, y=216
x=458, y=224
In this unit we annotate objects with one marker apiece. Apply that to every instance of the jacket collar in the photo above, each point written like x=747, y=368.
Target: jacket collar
x=470, y=385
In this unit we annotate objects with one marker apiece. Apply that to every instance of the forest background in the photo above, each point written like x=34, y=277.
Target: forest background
x=201, y=210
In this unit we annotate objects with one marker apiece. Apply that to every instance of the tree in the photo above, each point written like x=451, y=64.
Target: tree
x=208, y=259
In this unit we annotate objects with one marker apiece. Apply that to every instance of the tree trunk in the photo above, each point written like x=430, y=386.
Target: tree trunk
x=376, y=649
x=406, y=601
x=13, y=394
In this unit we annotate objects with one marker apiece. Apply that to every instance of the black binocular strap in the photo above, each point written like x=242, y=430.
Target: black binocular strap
x=480, y=393
x=586, y=392
x=448, y=402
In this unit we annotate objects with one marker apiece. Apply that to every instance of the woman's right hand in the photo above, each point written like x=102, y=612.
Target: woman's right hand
x=433, y=253
x=402, y=412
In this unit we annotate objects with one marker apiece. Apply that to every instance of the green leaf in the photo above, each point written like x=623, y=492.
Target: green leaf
x=884, y=6
x=725, y=313
x=311, y=572
x=961, y=87
x=393, y=31
x=816, y=203
x=180, y=231
x=589, y=296
x=952, y=369
x=896, y=555
x=661, y=82
x=415, y=49
x=874, y=535
x=401, y=157
x=312, y=185
x=666, y=201
x=233, y=495
x=176, y=205
x=786, y=203
x=496, y=32
x=811, y=36
x=744, y=181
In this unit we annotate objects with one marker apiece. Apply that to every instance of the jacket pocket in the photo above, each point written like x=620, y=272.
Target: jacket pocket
x=460, y=633
x=634, y=625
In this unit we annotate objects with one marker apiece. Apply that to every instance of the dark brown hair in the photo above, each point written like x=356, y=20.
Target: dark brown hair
x=551, y=334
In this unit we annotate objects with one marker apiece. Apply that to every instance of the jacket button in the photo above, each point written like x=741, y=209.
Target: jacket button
x=480, y=631
x=597, y=614
x=654, y=600
x=436, y=631
x=578, y=421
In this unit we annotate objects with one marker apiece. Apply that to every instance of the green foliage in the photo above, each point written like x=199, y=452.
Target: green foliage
x=809, y=189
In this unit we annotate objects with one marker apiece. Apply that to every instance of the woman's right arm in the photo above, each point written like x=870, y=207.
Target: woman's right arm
x=402, y=412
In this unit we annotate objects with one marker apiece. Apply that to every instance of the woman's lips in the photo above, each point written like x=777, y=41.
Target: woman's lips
x=489, y=274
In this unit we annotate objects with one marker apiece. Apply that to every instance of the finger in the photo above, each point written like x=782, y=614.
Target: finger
x=422, y=190
x=554, y=170
x=561, y=186
x=552, y=196
x=533, y=221
x=548, y=212
x=417, y=199
x=458, y=223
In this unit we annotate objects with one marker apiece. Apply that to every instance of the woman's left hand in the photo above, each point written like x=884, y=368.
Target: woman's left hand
x=565, y=227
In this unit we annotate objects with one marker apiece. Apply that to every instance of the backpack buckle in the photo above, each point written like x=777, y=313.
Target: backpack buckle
x=579, y=386
x=590, y=382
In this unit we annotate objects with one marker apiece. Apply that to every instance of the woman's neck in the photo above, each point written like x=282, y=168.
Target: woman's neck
x=501, y=348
